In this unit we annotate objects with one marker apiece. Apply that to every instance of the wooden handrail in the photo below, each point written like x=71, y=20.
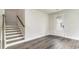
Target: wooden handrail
x=20, y=21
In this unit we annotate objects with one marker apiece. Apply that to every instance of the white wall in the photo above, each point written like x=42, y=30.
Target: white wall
x=11, y=16
x=71, y=23
x=21, y=14
x=36, y=24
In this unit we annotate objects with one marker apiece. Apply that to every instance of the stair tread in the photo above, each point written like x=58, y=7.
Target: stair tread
x=12, y=44
x=12, y=31
x=8, y=42
x=12, y=34
x=11, y=28
x=13, y=37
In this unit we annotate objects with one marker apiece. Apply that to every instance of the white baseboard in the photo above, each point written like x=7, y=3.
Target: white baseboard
x=75, y=38
x=33, y=38
x=26, y=40
x=70, y=37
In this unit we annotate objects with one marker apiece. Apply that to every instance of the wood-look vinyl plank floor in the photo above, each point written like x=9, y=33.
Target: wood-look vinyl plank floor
x=48, y=42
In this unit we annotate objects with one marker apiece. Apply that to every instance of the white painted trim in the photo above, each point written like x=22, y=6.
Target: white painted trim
x=8, y=45
x=75, y=38
x=26, y=40
x=12, y=32
x=34, y=38
x=18, y=38
x=13, y=35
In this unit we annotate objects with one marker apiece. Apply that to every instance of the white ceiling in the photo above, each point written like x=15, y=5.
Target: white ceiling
x=48, y=11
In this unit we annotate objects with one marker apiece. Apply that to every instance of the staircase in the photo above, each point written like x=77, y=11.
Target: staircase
x=13, y=35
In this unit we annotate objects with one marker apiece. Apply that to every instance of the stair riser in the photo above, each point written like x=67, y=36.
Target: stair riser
x=13, y=37
x=12, y=34
x=11, y=31
x=14, y=41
